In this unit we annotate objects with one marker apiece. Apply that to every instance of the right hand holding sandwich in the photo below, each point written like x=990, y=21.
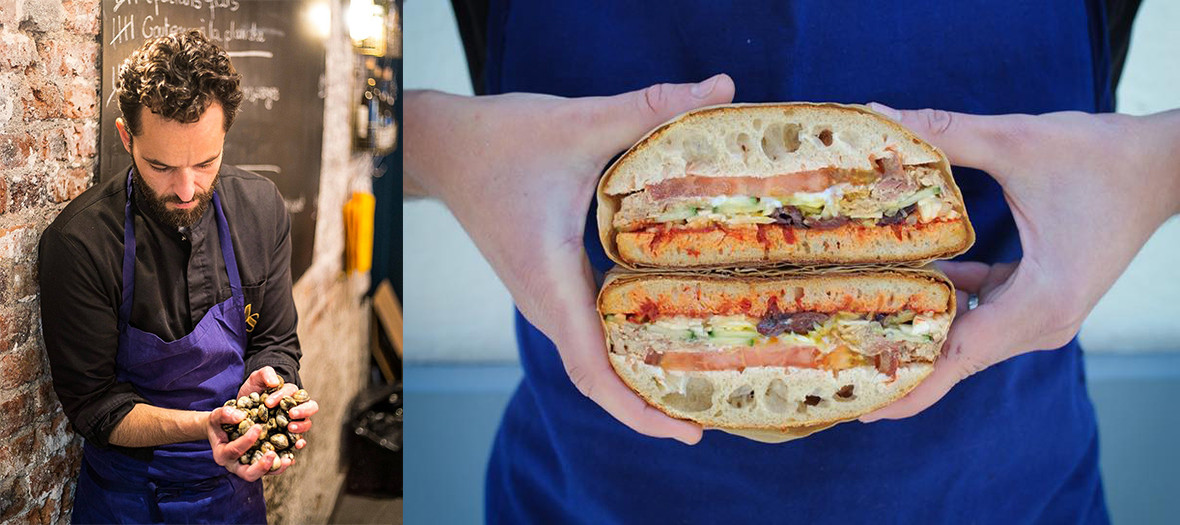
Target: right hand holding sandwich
x=1086, y=192
x=519, y=172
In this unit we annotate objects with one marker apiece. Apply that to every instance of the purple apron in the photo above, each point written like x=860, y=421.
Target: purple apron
x=180, y=483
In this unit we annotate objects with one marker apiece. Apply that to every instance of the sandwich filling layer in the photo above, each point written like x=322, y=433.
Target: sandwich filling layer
x=830, y=341
x=891, y=194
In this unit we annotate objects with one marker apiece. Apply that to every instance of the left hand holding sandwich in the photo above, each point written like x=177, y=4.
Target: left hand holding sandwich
x=519, y=172
x=1086, y=192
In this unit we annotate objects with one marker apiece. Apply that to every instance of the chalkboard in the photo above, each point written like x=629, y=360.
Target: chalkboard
x=278, y=47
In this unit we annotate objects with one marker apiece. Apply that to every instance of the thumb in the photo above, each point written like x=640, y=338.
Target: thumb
x=974, y=141
x=227, y=416
x=631, y=115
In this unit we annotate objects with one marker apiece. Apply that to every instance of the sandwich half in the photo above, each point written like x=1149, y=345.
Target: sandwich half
x=779, y=351
x=760, y=185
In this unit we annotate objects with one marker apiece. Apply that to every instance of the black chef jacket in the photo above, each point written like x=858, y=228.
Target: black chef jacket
x=179, y=276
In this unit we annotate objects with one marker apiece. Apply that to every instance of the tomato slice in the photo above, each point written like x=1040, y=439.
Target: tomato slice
x=698, y=186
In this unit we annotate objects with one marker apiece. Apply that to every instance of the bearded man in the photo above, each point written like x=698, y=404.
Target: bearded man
x=165, y=291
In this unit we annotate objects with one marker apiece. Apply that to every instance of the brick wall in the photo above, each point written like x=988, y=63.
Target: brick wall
x=49, y=89
x=48, y=137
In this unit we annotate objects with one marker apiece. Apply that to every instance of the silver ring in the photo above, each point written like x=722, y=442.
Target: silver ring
x=972, y=301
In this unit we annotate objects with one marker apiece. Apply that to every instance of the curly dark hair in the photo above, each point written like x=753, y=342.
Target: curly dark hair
x=177, y=76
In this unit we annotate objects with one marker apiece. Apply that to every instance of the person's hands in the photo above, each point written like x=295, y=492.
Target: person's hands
x=1086, y=192
x=265, y=378
x=519, y=172
x=226, y=452
x=262, y=379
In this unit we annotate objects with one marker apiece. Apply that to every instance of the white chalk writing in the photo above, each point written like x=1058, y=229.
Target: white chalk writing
x=268, y=95
x=295, y=205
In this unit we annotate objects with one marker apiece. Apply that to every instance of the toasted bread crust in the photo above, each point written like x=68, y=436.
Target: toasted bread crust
x=753, y=245
x=879, y=291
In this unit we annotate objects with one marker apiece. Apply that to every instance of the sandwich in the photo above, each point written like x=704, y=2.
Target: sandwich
x=761, y=185
x=784, y=352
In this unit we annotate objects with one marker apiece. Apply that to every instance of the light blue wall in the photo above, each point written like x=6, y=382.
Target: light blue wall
x=454, y=412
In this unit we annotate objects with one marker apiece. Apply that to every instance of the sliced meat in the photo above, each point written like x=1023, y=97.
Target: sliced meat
x=889, y=165
x=893, y=183
x=871, y=341
x=893, y=187
x=887, y=363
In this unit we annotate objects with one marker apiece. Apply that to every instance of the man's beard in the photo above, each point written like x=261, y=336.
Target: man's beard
x=156, y=206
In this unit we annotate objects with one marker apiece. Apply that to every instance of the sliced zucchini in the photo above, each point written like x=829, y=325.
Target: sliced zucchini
x=929, y=191
x=736, y=205
x=678, y=213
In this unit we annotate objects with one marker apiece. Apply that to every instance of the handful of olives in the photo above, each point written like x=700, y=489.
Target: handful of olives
x=275, y=436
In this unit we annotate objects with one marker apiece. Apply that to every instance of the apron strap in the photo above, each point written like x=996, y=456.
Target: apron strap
x=227, y=251
x=128, y=260
x=227, y=254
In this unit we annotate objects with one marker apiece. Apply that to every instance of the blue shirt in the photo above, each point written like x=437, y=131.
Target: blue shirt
x=1016, y=443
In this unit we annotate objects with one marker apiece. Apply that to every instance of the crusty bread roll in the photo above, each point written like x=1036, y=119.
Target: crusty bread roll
x=780, y=149
x=777, y=402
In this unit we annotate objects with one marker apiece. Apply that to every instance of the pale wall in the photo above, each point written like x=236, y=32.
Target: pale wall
x=445, y=272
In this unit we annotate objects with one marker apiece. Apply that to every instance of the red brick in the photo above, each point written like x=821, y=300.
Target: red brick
x=8, y=16
x=20, y=366
x=17, y=50
x=68, y=57
x=16, y=453
x=59, y=424
x=51, y=145
x=53, y=473
x=17, y=408
x=51, y=53
x=14, y=240
x=43, y=100
x=81, y=98
x=82, y=141
x=43, y=514
x=14, y=495
x=81, y=59
x=70, y=183
x=67, y=498
x=82, y=16
x=7, y=104
x=46, y=395
x=43, y=16
x=46, y=407
x=25, y=191
x=15, y=149
x=7, y=330
x=18, y=279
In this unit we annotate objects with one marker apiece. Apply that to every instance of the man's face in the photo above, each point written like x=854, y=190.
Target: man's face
x=176, y=163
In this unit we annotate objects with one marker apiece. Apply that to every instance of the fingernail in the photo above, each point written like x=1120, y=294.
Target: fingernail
x=885, y=110
x=703, y=89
